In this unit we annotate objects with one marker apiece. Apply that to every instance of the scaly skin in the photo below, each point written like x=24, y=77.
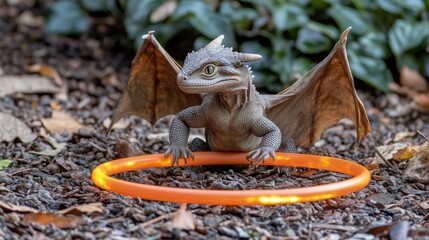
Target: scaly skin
x=232, y=111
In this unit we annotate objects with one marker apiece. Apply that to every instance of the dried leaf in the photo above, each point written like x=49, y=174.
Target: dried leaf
x=56, y=148
x=68, y=221
x=387, y=151
x=47, y=71
x=405, y=153
x=11, y=128
x=4, y=163
x=422, y=100
x=11, y=84
x=402, y=135
x=61, y=122
x=125, y=149
x=121, y=124
x=411, y=79
x=91, y=208
x=67, y=164
x=418, y=168
x=50, y=72
x=183, y=219
x=164, y=11
x=9, y=207
x=372, y=167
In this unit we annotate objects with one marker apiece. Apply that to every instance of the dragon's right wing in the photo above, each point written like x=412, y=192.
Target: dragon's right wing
x=152, y=91
x=319, y=100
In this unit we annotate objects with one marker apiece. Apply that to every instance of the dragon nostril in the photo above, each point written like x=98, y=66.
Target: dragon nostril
x=182, y=77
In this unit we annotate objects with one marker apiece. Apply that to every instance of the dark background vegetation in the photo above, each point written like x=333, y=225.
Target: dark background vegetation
x=292, y=35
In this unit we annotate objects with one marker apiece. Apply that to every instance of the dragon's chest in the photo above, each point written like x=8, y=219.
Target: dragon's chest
x=232, y=130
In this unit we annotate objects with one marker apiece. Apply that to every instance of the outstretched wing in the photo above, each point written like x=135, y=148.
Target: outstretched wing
x=152, y=91
x=319, y=100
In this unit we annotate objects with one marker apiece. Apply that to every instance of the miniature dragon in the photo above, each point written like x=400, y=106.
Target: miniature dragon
x=214, y=91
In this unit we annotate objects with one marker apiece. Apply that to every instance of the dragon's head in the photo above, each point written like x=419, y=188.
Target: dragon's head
x=215, y=68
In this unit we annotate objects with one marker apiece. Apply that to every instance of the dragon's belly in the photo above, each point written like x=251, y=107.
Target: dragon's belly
x=232, y=141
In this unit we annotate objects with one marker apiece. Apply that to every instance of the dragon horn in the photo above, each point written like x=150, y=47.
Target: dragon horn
x=248, y=57
x=215, y=43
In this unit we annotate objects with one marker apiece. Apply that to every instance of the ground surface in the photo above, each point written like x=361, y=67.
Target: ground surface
x=94, y=69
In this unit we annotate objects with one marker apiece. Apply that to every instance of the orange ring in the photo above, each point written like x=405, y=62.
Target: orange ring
x=361, y=177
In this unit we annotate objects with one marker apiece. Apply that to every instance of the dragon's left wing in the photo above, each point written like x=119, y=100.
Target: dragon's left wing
x=152, y=90
x=319, y=100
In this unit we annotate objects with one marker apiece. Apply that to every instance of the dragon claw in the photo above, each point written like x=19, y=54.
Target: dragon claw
x=177, y=153
x=261, y=154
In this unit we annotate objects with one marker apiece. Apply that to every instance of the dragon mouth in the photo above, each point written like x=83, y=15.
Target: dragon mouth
x=191, y=84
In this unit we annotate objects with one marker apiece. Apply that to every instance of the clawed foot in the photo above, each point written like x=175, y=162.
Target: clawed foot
x=260, y=155
x=177, y=153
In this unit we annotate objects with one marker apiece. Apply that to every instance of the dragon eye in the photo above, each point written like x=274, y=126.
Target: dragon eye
x=209, y=70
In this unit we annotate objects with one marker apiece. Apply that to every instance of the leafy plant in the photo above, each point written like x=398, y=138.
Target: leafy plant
x=4, y=163
x=292, y=35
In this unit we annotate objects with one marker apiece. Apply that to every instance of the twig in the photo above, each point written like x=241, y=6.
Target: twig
x=97, y=147
x=20, y=171
x=387, y=162
x=335, y=227
x=421, y=134
x=157, y=219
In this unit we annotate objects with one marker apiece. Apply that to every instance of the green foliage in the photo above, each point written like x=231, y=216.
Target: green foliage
x=4, y=163
x=292, y=35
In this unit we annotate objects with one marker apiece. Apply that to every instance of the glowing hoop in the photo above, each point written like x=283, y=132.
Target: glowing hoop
x=360, y=178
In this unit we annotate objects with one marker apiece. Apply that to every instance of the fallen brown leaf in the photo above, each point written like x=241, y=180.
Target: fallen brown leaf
x=418, y=168
x=125, y=149
x=121, y=124
x=422, y=100
x=61, y=122
x=164, y=11
x=405, y=153
x=11, y=128
x=9, y=207
x=11, y=84
x=47, y=71
x=50, y=72
x=90, y=208
x=402, y=135
x=56, y=148
x=67, y=221
x=183, y=219
x=412, y=79
x=372, y=167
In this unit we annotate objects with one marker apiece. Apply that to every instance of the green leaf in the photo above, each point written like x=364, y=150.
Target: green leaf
x=371, y=70
x=205, y=20
x=302, y=65
x=99, y=5
x=310, y=41
x=327, y=30
x=67, y=17
x=406, y=35
x=399, y=6
x=238, y=14
x=282, y=58
x=375, y=45
x=256, y=47
x=287, y=16
x=138, y=13
x=348, y=17
x=213, y=25
x=4, y=163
